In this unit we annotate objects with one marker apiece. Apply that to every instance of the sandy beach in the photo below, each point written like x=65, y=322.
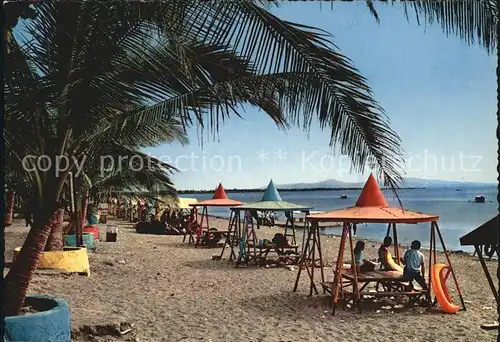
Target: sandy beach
x=170, y=291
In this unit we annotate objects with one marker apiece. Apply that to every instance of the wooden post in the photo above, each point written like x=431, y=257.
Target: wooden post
x=396, y=244
x=434, y=247
x=320, y=256
x=306, y=225
x=308, y=258
x=254, y=239
x=487, y=273
x=207, y=219
x=354, y=270
x=338, y=272
x=239, y=228
x=304, y=256
x=247, y=236
x=230, y=235
x=294, y=240
x=431, y=248
x=199, y=227
x=450, y=265
x=233, y=231
x=243, y=244
x=313, y=262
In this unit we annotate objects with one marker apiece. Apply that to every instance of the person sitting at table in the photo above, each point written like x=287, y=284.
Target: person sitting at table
x=360, y=263
x=414, y=263
x=382, y=253
x=358, y=254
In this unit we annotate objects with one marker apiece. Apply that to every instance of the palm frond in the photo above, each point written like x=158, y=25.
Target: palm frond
x=474, y=21
x=332, y=91
x=372, y=9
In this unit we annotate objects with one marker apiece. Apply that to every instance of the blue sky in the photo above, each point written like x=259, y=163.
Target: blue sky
x=439, y=93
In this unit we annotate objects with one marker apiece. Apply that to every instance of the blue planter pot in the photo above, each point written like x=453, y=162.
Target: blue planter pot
x=88, y=241
x=51, y=324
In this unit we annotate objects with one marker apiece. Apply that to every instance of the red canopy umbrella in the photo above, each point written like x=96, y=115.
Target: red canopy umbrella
x=371, y=207
x=219, y=199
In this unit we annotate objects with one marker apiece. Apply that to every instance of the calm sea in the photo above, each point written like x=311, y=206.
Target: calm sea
x=458, y=214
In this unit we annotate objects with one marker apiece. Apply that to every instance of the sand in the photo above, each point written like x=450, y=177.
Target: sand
x=171, y=291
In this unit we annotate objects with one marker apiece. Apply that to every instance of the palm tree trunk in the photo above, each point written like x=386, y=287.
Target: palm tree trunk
x=142, y=213
x=131, y=212
x=10, y=209
x=85, y=204
x=23, y=268
x=56, y=237
x=81, y=219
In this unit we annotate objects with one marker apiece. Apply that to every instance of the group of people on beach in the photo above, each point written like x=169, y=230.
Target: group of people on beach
x=413, y=261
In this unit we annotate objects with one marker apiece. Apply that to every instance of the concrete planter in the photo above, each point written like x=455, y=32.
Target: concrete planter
x=71, y=259
x=88, y=241
x=51, y=324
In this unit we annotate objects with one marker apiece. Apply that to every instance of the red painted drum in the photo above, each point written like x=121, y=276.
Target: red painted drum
x=92, y=230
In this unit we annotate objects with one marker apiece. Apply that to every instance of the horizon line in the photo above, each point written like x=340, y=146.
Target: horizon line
x=354, y=187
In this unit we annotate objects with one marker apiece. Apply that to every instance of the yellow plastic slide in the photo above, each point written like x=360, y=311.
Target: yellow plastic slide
x=439, y=286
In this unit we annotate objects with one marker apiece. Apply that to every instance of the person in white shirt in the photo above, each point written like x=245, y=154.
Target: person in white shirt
x=414, y=265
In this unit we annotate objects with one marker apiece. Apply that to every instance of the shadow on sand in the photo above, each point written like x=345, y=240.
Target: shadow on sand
x=290, y=302
x=224, y=264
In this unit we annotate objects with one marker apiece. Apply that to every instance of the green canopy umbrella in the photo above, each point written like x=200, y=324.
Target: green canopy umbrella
x=271, y=202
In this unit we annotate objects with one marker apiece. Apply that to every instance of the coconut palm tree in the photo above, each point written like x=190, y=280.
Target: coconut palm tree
x=83, y=72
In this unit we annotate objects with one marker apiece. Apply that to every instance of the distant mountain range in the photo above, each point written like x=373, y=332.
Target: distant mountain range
x=333, y=184
x=408, y=183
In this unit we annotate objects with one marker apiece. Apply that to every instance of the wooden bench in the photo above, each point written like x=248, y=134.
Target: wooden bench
x=387, y=294
x=393, y=284
x=218, y=234
x=262, y=253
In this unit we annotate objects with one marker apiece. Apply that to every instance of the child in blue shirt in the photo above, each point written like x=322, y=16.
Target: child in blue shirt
x=414, y=263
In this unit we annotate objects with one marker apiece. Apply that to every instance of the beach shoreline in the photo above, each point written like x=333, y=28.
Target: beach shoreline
x=370, y=240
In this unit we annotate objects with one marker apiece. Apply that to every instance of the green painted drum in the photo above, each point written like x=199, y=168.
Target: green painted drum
x=88, y=240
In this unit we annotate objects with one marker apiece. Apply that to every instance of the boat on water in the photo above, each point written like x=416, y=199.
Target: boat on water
x=343, y=196
x=479, y=199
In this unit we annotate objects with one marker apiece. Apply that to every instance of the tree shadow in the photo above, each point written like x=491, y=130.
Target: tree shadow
x=175, y=244
x=300, y=303
x=293, y=304
x=220, y=265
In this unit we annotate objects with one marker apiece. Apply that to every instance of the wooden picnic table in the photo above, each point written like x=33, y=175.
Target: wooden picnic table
x=262, y=252
x=375, y=275
x=206, y=235
x=392, y=282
